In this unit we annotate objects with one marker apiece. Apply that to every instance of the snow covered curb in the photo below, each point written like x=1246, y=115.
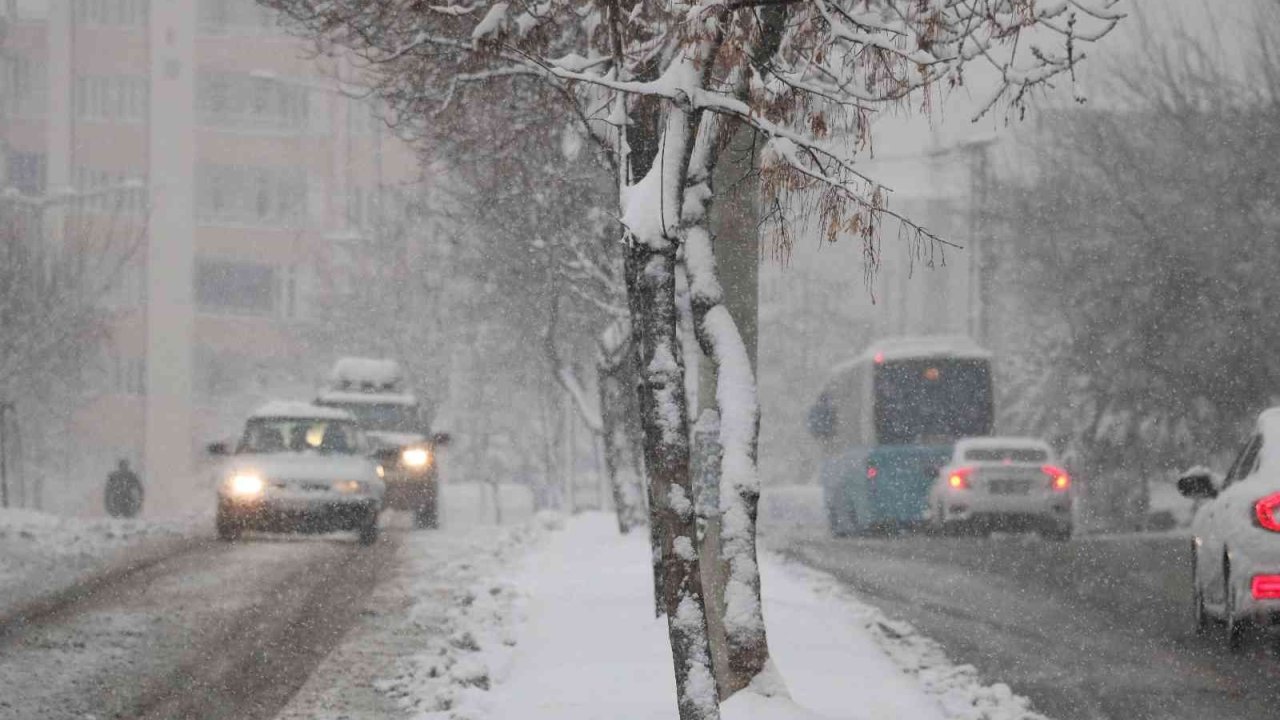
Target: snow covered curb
x=42, y=553
x=958, y=689
x=436, y=634
x=471, y=608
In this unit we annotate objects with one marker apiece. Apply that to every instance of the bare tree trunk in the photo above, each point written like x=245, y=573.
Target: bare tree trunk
x=610, y=368
x=666, y=428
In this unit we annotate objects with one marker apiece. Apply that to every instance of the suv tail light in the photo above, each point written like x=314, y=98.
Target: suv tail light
x=958, y=479
x=1059, y=480
x=1266, y=513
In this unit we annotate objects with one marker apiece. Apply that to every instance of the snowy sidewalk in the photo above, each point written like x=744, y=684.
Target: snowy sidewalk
x=553, y=618
x=589, y=647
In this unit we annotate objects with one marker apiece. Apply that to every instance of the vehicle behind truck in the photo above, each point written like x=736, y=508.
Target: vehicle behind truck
x=375, y=392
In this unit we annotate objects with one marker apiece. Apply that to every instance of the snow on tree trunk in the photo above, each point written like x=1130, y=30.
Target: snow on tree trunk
x=747, y=650
x=672, y=520
x=650, y=212
x=735, y=393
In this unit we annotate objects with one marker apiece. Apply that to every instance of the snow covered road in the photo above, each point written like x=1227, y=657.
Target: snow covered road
x=210, y=631
x=1094, y=628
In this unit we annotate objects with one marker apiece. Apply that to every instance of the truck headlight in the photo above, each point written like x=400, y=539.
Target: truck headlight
x=416, y=458
x=246, y=485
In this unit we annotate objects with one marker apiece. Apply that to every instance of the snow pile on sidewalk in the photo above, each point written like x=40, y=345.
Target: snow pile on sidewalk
x=471, y=607
x=437, y=633
x=40, y=552
x=591, y=648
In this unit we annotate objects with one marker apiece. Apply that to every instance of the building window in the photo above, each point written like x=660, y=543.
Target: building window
x=252, y=195
x=236, y=17
x=26, y=172
x=244, y=102
x=27, y=9
x=235, y=287
x=128, y=375
x=120, y=98
x=21, y=91
x=129, y=289
x=111, y=12
x=364, y=118
x=109, y=192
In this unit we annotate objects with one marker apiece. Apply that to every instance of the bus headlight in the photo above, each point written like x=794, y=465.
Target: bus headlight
x=246, y=485
x=416, y=458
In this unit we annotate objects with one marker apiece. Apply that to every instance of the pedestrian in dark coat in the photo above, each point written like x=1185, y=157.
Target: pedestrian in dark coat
x=124, y=492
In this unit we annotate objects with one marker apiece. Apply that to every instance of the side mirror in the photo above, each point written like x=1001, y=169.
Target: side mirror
x=218, y=449
x=441, y=439
x=1198, y=484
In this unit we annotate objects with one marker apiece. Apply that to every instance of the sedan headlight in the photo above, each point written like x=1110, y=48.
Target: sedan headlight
x=416, y=458
x=351, y=486
x=246, y=485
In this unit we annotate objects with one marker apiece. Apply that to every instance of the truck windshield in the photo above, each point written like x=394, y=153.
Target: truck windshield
x=384, y=417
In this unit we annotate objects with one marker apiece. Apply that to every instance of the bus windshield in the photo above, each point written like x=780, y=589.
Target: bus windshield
x=932, y=401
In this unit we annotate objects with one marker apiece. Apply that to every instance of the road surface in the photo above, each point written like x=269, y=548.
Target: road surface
x=211, y=631
x=1093, y=628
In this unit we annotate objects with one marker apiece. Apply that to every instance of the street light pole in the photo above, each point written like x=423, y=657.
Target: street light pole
x=5, y=409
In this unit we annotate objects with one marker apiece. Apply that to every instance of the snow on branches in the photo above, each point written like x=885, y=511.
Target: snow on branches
x=808, y=75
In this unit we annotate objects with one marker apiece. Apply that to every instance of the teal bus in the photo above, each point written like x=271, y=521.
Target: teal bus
x=887, y=422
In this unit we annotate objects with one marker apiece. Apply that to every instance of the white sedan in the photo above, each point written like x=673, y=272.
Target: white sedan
x=1002, y=483
x=1235, y=572
x=299, y=468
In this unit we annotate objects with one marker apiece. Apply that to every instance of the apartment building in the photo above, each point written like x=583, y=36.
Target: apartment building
x=229, y=145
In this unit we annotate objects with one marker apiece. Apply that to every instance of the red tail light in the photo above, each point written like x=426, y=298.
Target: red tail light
x=1266, y=587
x=1058, y=478
x=959, y=478
x=1266, y=513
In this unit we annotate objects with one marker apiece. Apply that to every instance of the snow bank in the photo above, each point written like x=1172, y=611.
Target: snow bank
x=42, y=553
x=469, y=608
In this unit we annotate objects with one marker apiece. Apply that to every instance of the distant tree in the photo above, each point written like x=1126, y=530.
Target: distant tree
x=660, y=87
x=59, y=268
x=1138, y=262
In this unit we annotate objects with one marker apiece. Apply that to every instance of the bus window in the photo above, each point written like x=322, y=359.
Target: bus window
x=932, y=401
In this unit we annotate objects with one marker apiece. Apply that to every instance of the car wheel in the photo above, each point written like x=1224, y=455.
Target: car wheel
x=1237, y=627
x=1058, y=533
x=1199, y=618
x=369, y=531
x=937, y=520
x=426, y=517
x=840, y=526
x=229, y=528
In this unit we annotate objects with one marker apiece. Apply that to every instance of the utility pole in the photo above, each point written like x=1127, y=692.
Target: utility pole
x=4, y=459
x=6, y=410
